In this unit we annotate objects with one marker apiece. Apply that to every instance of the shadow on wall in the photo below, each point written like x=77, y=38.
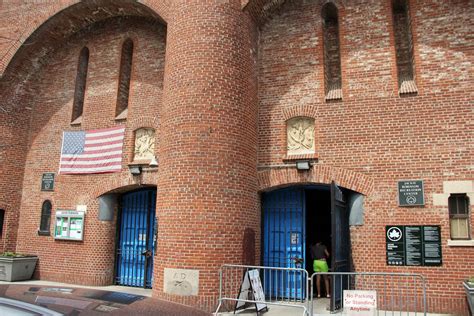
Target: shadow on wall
x=248, y=247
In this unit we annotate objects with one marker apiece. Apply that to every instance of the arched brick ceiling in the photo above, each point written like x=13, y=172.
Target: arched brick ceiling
x=57, y=29
x=19, y=21
x=261, y=10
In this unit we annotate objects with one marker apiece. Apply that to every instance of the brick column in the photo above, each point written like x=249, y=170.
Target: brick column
x=207, y=183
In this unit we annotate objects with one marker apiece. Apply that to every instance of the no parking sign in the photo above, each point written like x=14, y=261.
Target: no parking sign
x=360, y=303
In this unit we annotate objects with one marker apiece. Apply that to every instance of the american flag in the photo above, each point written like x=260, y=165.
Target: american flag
x=93, y=151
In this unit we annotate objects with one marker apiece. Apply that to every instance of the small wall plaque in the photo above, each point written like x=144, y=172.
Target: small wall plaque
x=411, y=193
x=47, y=181
x=181, y=282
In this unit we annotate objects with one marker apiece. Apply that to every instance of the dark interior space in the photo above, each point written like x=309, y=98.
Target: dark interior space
x=318, y=222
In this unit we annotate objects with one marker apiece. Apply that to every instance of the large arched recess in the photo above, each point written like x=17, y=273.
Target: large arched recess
x=39, y=39
x=56, y=28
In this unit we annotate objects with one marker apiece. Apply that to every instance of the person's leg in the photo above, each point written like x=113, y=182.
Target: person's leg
x=317, y=269
x=318, y=284
x=325, y=268
x=326, y=284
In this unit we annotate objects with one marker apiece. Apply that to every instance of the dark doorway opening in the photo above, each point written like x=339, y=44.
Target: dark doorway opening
x=318, y=224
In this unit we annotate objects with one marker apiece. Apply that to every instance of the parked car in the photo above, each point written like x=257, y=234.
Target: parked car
x=32, y=299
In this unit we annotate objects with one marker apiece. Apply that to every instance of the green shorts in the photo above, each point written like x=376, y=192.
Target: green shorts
x=320, y=266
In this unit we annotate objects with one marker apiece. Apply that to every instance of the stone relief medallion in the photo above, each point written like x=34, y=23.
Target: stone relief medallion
x=144, y=144
x=300, y=136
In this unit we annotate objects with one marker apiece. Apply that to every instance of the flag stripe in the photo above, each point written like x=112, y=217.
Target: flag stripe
x=106, y=131
x=90, y=170
x=93, y=151
x=98, y=162
x=102, y=147
x=90, y=157
x=95, y=140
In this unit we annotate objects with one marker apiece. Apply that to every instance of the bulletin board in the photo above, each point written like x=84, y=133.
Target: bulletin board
x=69, y=225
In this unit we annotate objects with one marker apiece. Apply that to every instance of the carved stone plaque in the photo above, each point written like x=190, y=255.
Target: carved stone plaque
x=144, y=144
x=181, y=282
x=300, y=136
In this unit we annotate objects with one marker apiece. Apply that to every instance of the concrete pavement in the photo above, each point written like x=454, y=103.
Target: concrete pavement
x=320, y=308
x=149, y=307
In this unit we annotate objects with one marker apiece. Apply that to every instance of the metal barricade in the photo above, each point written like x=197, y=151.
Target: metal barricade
x=281, y=286
x=395, y=292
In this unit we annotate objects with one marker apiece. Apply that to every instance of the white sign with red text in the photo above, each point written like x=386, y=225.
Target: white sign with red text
x=360, y=303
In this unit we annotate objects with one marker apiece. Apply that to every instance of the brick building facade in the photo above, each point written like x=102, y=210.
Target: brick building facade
x=385, y=89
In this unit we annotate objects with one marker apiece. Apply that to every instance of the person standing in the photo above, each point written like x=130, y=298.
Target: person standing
x=320, y=254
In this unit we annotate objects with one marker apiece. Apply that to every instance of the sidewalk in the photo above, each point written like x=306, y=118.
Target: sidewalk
x=320, y=308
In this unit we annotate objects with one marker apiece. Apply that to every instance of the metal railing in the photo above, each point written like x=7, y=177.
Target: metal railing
x=281, y=286
x=396, y=292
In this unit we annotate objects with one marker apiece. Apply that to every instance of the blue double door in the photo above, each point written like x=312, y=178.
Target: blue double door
x=136, y=239
x=293, y=218
x=284, y=241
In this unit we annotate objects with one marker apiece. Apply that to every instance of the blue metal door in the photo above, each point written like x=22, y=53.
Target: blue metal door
x=136, y=246
x=284, y=242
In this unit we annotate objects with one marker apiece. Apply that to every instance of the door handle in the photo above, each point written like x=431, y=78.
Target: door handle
x=297, y=260
x=146, y=253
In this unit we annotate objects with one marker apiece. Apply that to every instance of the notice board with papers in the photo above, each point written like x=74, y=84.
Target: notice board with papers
x=69, y=225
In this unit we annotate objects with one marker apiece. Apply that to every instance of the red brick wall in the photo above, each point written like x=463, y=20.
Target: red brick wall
x=374, y=132
x=52, y=91
x=207, y=185
x=210, y=137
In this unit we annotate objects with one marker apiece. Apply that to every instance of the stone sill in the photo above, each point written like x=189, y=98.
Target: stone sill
x=122, y=116
x=461, y=243
x=288, y=158
x=77, y=121
x=141, y=162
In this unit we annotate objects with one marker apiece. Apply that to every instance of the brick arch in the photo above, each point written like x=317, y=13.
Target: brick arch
x=300, y=110
x=261, y=10
x=27, y=25
x=339, y=4
x=142, y=121
x=49, y=25
x=274, y=178
x=122, y=182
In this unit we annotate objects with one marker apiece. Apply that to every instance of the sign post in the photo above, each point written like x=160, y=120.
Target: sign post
x=360, y=303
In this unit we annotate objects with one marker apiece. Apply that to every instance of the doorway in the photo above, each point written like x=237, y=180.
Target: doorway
x=296, y=217
x=136, y=239
x=318, y=225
